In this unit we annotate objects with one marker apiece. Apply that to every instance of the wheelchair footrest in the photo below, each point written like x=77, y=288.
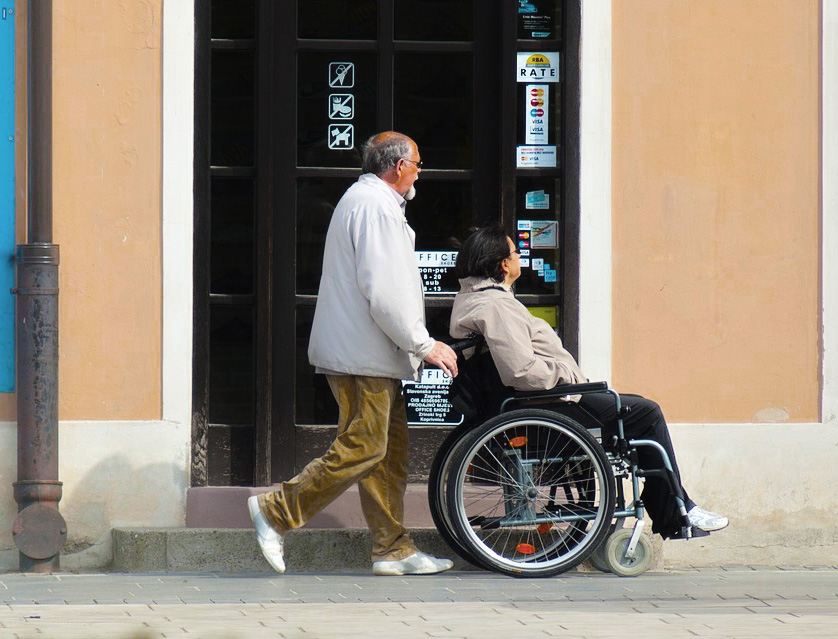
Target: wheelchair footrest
x=688, y=533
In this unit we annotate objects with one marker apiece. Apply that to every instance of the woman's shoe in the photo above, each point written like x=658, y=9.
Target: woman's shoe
x=705, y=520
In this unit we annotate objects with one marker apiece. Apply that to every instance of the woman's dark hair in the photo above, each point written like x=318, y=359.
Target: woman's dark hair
x=482, y=253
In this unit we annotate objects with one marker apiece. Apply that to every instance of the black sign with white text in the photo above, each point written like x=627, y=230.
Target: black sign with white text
x=427, y=402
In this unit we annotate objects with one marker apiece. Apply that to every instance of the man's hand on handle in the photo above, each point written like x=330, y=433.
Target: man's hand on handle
x=444, y=357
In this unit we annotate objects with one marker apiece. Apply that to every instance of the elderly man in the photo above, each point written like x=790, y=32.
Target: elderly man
x=368, y=334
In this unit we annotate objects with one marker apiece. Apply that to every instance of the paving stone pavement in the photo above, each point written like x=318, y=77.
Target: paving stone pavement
x=728, y=601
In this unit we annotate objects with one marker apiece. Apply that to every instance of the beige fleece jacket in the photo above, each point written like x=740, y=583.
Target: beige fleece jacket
x=526, y=350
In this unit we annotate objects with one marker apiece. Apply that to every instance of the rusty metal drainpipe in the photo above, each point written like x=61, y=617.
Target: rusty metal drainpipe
x=39, y=531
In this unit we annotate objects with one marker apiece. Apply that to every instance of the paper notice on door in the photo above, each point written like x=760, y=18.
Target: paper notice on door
x=536, y=156
x=545, y=234
x=537, y=200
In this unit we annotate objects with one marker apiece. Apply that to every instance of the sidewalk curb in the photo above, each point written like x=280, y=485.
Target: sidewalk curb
x=235, y=550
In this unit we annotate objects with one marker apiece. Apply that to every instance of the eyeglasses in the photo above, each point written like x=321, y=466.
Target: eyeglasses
x=515, y=251
x=418, y=165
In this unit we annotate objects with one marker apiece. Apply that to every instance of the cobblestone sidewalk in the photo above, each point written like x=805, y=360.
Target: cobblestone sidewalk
x=724, y=602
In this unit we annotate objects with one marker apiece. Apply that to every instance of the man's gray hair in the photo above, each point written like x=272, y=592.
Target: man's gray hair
x=382, y=152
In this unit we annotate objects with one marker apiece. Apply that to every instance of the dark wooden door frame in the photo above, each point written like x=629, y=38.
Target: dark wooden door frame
x=280, y=388
x=200, y=277
x=275, y=431
x=202, y=179
x=571, y=34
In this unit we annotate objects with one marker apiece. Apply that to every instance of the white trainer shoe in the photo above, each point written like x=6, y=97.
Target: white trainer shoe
x=705, y=520
x=270, y=541
x=418, y=563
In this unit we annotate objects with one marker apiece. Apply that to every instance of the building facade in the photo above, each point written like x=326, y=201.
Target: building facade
x=665, y=163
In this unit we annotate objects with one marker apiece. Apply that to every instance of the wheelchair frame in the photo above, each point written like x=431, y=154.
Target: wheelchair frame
x=591, y=530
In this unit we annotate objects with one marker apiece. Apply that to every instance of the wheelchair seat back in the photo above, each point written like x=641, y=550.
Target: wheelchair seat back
x=477, y=391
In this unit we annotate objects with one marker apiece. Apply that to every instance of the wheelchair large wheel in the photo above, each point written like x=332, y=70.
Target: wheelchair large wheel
x=530, y=493
x=438, y=494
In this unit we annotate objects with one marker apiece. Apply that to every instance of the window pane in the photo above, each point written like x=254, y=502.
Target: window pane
x=232, y=19
x=538, y=230
x=330, y=20
x=539, y=20
x=232, y=236
x=440, y=214
x=438, y=319
x=231, y=365
x=232, y=138
x=434, y=105
x=437, y=20
x=314, y=401
x=336, y=107
x=316, y=200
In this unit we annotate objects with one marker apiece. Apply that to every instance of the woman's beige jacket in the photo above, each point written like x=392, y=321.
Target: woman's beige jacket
x=526, y=350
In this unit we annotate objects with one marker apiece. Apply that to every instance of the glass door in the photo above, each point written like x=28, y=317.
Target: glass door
x=427, y=68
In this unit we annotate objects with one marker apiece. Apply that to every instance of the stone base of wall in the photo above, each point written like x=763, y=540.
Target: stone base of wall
x=232, y=550
x=236, y=550
x=750, y=547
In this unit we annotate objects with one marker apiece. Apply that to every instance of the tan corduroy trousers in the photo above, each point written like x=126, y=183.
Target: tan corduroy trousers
x=371, y=448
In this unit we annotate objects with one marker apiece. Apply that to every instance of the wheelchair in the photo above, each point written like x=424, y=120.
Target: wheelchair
x=529, y=492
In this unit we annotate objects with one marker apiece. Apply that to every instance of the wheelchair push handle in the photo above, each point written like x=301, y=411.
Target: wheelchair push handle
x=471, y=341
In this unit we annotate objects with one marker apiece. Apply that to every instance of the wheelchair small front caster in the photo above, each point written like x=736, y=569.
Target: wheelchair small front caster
x=615, y=554
x=597, y=557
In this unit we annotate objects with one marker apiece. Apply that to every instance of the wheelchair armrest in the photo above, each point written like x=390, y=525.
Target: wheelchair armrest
x=562, y=390
x=565, y=389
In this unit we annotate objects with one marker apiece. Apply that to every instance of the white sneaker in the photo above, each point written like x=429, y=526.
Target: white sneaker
x=418, y=563
x=705, y=520
x=270, y=541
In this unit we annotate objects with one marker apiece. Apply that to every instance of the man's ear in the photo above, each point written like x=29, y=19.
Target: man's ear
x=391, y=176
x=504, y=266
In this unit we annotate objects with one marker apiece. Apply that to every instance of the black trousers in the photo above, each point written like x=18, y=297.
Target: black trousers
x=644, y=421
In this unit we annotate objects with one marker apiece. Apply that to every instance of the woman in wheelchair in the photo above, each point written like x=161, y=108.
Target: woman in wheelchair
x=529, y=356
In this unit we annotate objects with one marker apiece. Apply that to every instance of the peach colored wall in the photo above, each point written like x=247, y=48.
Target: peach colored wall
x=715, y=172
x=106, y=206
